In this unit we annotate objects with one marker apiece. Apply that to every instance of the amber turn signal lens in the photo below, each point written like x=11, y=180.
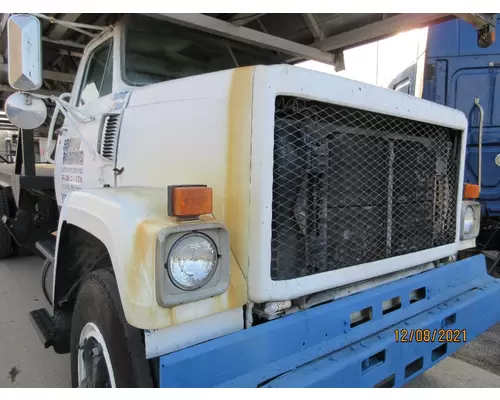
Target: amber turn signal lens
x=471, y=191
x=191, y=201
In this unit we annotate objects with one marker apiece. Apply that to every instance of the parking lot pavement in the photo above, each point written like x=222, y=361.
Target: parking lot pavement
x=23, y=360
x=455, y=373
x=25, y=363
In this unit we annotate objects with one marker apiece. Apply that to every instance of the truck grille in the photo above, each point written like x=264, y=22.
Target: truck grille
x=352, y=187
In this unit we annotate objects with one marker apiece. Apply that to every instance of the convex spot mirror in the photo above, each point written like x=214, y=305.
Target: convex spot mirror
x=24, y=52
x=25, y=111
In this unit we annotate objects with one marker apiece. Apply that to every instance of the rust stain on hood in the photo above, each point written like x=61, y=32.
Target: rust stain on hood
x=238, y=163
x=142, y=263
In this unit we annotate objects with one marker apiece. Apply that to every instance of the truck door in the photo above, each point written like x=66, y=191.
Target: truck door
x=405, y=81
x=480, y=79
x=79, y=163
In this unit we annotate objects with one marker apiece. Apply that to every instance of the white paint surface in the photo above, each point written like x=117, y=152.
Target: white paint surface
x=163, y=341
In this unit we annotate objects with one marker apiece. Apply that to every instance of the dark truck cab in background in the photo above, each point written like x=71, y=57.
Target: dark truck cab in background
x=456, y=72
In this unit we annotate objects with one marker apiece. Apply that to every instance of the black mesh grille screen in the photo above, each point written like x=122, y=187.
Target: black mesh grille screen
x=353, y=186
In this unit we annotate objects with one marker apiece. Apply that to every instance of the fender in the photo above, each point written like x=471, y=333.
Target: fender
x=127, y=220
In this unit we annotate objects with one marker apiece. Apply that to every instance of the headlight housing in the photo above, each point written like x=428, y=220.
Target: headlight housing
x=192, y=262
x=469, y=220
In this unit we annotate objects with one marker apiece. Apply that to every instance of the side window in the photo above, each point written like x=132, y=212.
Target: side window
x=98, y=78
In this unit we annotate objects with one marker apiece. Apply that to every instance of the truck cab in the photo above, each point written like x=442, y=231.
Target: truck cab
x=456, y=72
x=228, y=219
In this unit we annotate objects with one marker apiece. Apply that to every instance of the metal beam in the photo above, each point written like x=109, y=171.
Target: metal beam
x=484, y=24
x=3, y=22
x=243, y=19
x=64, y=43
x=7, y=88
x=477, y=20
x=3, y=39
x=52, y=75
x=71, y=53
x=313, y=26
x=72, y=25
x=57, y=31
x=250, y=36
x=371, y=32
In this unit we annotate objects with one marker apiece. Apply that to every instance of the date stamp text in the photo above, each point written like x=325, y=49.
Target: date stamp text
x=431, y=335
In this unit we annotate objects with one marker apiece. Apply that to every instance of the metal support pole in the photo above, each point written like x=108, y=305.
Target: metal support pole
x=28, y=147
x=18, y=167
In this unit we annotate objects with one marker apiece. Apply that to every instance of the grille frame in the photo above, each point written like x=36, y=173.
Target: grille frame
x=273, y=81
x=352, y=187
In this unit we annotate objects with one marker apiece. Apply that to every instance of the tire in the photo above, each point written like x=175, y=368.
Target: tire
x=5, y=237
x=98, y=304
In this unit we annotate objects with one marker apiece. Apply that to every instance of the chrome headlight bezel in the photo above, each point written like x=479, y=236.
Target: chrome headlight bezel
x=476, y=209
x=168, y=294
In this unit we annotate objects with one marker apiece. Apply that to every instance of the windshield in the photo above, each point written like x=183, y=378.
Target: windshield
x=157, y=51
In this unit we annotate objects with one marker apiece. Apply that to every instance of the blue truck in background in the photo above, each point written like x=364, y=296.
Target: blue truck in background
x=456, y=71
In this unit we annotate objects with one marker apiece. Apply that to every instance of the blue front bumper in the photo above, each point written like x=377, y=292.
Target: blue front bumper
x=319, y=348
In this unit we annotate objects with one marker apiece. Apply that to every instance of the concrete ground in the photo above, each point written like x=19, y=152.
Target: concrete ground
x=23, y=360
x=25, y=363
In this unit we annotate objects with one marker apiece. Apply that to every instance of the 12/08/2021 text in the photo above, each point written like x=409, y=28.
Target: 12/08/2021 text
x=431, y=335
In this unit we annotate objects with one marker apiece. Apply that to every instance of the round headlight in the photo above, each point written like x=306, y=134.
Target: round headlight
x=192, y=261
x=468, y=223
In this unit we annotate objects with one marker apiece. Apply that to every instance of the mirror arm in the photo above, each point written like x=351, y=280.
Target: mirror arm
x=27, y=99
x=74, y=25
x=73, y=110
x=89, y=146
x=68, y=111
x=68, y=107
x=49, y=148
x=70, y=114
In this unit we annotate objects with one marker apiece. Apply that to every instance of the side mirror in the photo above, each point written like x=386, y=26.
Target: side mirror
x=24, y=52
x=25, y=111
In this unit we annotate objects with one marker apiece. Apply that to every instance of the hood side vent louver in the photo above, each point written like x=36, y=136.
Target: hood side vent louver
x=110, y=137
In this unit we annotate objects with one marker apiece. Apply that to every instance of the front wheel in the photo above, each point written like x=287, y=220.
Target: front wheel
x=105, y=350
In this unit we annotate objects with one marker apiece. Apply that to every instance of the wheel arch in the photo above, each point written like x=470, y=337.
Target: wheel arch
x=79, y=252
x=107, y=221
x=81, y=247
x=126, y=222
x=84, y=244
